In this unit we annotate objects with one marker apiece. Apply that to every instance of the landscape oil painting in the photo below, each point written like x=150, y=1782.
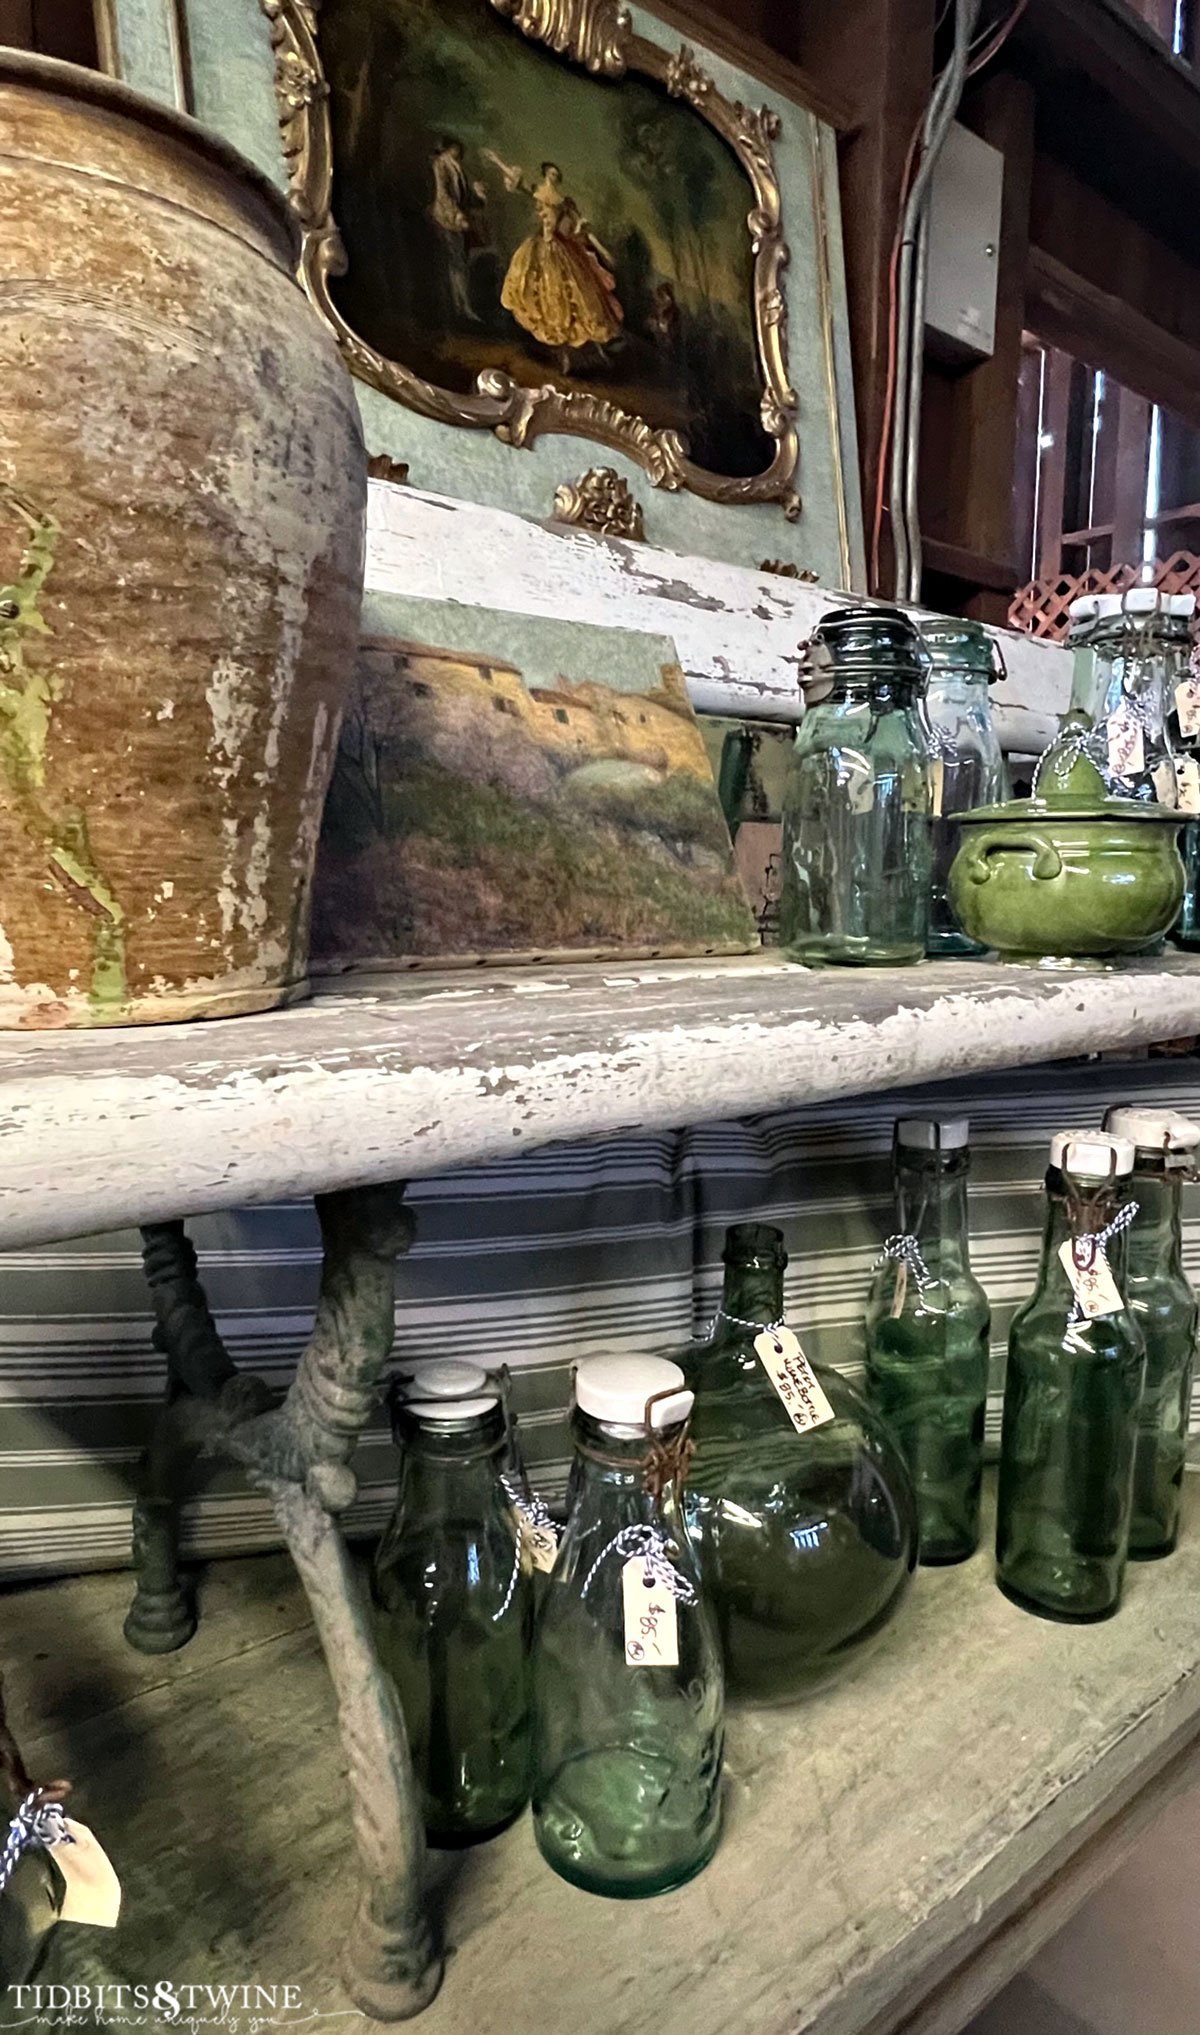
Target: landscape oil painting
x=509, y=786
x=503, y=210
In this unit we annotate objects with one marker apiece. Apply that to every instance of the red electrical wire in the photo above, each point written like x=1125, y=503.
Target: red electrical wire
x=977, y=62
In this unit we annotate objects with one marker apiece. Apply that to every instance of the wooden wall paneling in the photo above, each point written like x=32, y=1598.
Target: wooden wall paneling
x=877, y=55
x=16, y=23
x=969, y=446
x=1069, y=311
x=1083, y=231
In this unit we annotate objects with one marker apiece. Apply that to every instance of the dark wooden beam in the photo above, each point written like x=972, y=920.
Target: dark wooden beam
x=1068, y=311
x=750, y=34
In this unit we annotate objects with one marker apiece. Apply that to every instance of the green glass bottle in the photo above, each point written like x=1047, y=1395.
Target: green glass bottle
x=928, y=1336
x=857, y=842
x=806, y=1541
x=1071, y=1399
x=629, y=1702
x=1164, y=1306
x=454, y=1605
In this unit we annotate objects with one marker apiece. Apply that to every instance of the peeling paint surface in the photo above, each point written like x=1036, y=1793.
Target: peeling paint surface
x=200, y=571
x=412, y=1074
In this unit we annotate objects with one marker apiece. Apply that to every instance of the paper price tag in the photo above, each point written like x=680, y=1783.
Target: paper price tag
x=937, y=786
x=1187, y=772
x=1165, y=779
x=651, y=1625
x=1090, y=1274
x=1187, y=705
x=1126, y=745
x=794, y=1379
x=93, y=1889
x=541, y=1545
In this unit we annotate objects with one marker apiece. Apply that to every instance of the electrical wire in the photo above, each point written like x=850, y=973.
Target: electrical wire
x=981, y=51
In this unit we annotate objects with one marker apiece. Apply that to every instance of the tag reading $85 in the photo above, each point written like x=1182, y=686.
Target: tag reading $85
x=1090, y=1274
x=651, y=1628
x=794, y=1379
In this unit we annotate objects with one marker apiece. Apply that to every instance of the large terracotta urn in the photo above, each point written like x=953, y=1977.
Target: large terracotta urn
x=182, y=492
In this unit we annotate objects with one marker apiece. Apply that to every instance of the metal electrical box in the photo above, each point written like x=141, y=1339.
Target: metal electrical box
x=964, y=247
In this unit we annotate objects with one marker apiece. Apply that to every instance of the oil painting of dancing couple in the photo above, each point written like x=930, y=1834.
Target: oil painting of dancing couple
x=501, y=209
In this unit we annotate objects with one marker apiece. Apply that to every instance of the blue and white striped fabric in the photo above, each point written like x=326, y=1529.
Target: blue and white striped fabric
x=535, y=1262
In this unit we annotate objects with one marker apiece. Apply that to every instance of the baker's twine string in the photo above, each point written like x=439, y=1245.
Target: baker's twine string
x=736, y=1321
x=535, y=1512
x=1100, y=1240
x=903, y=1249
x=37, y=1826
x=649, y=1544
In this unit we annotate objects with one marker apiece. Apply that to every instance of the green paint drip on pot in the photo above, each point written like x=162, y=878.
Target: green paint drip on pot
x=27, y=700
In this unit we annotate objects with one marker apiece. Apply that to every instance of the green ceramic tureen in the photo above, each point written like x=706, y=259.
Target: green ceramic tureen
x=1069, y=878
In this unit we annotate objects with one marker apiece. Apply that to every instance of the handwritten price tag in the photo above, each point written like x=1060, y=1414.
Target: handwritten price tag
x=651, y=1627
x=937, y=785
x=93, y=1891
x=1090, y=1274
x=794, y=1379
x=1187, y=771
x=1126, y=746
x=541, y=1545
x=1187, y=705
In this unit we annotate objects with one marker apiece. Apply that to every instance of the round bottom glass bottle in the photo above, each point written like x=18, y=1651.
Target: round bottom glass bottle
x=628, y=1688
x=454, y=1606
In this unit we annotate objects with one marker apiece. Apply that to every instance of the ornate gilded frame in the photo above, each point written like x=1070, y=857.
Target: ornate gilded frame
x=599, y=35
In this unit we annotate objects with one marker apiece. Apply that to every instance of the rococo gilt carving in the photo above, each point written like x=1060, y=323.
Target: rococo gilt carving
x=600, y=500
x=597, y=34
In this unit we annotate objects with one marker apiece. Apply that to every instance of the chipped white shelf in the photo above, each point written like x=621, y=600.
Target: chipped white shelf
x=411, y=1074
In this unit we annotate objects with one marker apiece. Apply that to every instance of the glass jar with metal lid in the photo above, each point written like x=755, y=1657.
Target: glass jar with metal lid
x=968, y=768
x=1131, y=650
x=857, y=847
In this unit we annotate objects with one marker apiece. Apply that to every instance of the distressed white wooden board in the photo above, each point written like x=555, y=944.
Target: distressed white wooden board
x=409, y=1075
x=737, y=632
x=874, y=1838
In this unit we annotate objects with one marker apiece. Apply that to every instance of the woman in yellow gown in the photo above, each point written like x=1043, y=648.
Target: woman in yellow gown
x=560, y=284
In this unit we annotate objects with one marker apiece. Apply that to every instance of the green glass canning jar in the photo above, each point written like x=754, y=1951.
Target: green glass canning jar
x=928, y=1336
x=968, y=767
x=1163, y=1304
x=806, y=1541
x=627, y=1669
x=454, y=1605
x=1072, y=1393
x=857, y=845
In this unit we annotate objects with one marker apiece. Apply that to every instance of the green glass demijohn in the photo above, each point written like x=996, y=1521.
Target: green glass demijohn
x=1072, y=1394
x=628, y=1689
x=857, y=845
x=928, y=1336
x=454, y=1604
x=1163, y=1304
x=807, y=1541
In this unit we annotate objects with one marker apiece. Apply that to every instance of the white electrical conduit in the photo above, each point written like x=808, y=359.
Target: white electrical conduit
x=912, y=269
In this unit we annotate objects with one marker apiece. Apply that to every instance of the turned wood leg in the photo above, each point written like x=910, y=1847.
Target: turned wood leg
x=204, y=1394
x=162, y=1617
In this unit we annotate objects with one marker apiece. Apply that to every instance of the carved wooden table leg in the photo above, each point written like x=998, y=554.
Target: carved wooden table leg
x=300, y=1452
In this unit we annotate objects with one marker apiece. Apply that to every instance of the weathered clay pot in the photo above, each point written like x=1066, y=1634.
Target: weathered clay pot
x=182, y=487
